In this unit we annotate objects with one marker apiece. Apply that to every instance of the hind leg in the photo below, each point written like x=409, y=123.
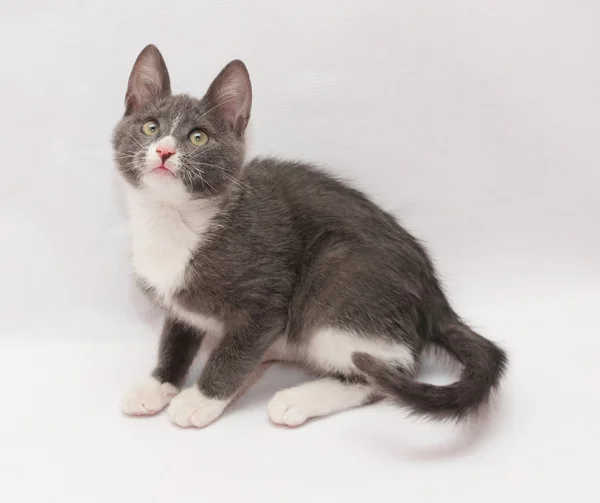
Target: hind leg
x=294, y=406
x=329, y=351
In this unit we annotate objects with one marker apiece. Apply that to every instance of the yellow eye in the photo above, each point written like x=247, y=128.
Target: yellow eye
x=150, y=128
x=198, y=137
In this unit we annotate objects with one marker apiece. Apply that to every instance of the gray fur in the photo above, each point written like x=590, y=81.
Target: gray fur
x=291, y=250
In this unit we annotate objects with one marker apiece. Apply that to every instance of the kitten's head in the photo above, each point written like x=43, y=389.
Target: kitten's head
x=180, y=143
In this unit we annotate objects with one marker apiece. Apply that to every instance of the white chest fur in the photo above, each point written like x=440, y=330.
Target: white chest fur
x=164, y=235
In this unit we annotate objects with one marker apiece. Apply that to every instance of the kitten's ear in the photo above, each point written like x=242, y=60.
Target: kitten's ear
x=149, y=80
x=231, y=95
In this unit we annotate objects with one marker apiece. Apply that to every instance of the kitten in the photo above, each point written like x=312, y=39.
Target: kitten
x=275, y=261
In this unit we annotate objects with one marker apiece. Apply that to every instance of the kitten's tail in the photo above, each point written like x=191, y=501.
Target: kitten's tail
x=484, y=365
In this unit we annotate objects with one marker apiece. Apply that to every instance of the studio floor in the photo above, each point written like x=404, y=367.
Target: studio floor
x=64, y=439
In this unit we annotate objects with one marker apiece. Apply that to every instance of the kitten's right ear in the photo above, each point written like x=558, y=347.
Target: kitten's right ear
x=149, y=80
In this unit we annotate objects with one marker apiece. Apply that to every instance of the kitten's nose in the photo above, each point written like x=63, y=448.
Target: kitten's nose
x=165, y=152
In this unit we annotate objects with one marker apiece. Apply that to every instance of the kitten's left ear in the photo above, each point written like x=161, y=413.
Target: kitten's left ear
x=231, y=95
x=149, y=80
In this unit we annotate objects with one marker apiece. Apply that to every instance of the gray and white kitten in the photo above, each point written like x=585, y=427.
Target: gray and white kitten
x=275, y=261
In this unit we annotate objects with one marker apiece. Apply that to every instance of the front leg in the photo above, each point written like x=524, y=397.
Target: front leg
x=229, y=366
x=179, y=344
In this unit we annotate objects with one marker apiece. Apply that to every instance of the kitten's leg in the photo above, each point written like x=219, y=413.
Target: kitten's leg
x=229, y=366
x=330, y=351
x=254, y=376
x=178, y=347
x=294, y=406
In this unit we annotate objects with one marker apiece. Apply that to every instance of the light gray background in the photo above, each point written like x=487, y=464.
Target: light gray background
x=476, y=122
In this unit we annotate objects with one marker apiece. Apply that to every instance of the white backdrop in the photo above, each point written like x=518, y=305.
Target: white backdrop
x=476, y=122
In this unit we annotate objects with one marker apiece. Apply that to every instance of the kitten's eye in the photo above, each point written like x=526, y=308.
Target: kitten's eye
x=198, y=137
x=150, y=128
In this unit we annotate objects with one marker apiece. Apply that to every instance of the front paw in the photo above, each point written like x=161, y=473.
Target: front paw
x=148, y=398
x=192, y=408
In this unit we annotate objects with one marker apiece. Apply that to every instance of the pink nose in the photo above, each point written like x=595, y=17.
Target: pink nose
x=165, y=152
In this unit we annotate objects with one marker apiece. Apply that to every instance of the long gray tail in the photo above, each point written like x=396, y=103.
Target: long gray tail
x=484, y=365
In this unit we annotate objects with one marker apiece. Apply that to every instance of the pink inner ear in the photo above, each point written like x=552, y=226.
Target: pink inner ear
x=231, y=93
x=146, y=87
x=149, y=80
x=234, y=108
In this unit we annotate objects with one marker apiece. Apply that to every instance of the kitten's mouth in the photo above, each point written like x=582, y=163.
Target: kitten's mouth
x=162, y=170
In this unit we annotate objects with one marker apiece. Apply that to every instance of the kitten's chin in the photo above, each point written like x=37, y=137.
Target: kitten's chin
x=166, y=187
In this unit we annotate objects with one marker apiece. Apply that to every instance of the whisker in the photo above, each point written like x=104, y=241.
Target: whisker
x=240, y=184
x=197, y=171
x=210, y=187
x=224, y=172
x=135, y=139
x=231, y=178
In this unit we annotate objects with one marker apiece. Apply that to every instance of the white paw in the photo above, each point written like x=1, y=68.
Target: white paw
x=192, y=408
x=148, y=398
x=285, y=408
